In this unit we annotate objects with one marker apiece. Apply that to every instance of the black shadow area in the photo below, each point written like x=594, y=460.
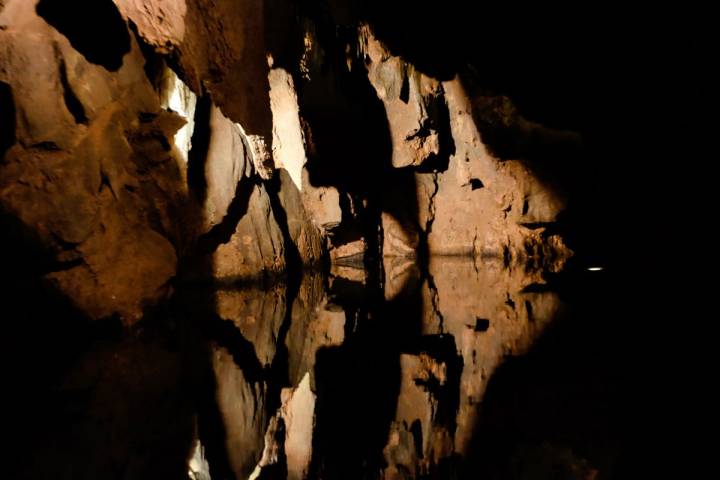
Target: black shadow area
x=94, y=28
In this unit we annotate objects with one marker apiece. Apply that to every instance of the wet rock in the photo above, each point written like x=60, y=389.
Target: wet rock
x=322, y=204
x=463, y=200
x=353, y=272
x=475, y=314
x=419, y=437
x=399, y=239
x=289, y=146
x=106, y=283
x=353, y=250
x=400, y=274
x=273, y=448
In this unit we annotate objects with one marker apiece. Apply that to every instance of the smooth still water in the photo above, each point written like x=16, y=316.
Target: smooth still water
x=461, y=369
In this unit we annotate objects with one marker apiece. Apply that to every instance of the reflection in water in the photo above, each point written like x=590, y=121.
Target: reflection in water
x=474, y=316
x=358, y=381
x=330, y=377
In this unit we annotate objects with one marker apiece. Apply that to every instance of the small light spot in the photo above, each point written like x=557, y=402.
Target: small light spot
x=595, y=269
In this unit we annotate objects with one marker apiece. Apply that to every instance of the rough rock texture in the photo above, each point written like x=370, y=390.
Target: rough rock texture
x=90, y=168
x=504, y=195
x=305, y=235
x=412, y=102
x=418, y=439
x=289, y=153
x=161, y=23
x=176, y=96
x=226, y=163
x=198, y=468
x=288, y=142
x=488, y=324
x=256, y=245
x=468, y=202
x=214, y=149
x=109, y=155
x=219, y=47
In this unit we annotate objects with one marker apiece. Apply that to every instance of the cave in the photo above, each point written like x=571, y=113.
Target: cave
x=339, y=239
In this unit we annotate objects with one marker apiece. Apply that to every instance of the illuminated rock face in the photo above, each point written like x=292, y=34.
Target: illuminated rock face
x=198, y=138
x=467, y=201
x=90, y=177
x=232, y=144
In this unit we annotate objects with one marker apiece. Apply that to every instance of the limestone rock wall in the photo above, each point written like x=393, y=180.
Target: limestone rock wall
x=238, y=142
x=118, y=169
x=467, y=201
x=90, y=175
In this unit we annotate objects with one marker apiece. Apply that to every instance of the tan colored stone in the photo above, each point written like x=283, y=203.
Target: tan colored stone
x=299, y=415
x=255, y=247
x=241, y=408
x=161, y=23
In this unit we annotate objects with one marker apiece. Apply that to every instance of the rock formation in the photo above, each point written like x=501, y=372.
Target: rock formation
x=293, y=196
x=112, y=147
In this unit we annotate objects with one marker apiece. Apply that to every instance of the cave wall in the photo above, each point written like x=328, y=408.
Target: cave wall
x=222, y=141
x=90, y=175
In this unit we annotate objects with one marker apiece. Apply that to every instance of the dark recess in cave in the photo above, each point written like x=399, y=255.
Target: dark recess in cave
x=482, y=324
x=71, y=101
x=93, y=27
x=476, y=183
x=7, y=119
x=197, y=156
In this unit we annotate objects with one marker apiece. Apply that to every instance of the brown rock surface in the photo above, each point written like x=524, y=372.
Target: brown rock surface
x=161, y=23
x=226, y=164
x=466, y=201
x=256, y=245
x=241, y=406
x=219, y=47
x=488, y=314
x=257, y=313
x=90, y=176
x=298, y=413
x=411, y=102
x=315, y=324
